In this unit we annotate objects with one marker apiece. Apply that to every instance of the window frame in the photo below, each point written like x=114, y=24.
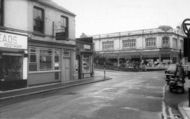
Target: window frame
x=66, y=27
x=130, y=43
x=43, y=20
x=164, y=39
x=107, y=45
x=2, y=12
x=149, y=43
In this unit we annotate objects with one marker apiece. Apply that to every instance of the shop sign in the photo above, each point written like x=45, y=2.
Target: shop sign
x=8, y=40
x=87, y=47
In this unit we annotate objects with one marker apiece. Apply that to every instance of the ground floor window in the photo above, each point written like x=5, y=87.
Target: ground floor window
x=10, y=67
x=86, y=64
x=44, y=59
x=45, y=62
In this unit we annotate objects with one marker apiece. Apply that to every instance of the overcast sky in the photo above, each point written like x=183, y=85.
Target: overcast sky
x=107, y=16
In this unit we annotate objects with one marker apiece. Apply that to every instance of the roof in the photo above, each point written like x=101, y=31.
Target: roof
x=54, y=5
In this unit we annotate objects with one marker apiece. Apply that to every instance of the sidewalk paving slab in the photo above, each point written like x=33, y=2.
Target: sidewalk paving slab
x=184, y=109
x=48, y=87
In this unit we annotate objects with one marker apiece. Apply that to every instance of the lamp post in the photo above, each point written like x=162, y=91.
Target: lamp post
x=186, y=30
x=104, y=66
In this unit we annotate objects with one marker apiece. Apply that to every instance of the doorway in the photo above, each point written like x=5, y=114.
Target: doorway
x=66, y=70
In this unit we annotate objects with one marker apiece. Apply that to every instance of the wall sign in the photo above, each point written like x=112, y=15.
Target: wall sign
x=8, y=40
x=87, y=47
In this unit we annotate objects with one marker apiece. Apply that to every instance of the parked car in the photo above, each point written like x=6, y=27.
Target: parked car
x=170, y=71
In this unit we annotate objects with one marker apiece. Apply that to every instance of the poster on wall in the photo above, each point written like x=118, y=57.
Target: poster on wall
x=86, y=64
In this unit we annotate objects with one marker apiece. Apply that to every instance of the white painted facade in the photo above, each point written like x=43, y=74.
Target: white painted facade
x=18, y=14
x=19, y=18
x=140, y=39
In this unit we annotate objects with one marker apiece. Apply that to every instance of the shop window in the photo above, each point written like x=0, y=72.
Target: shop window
x=131, y=43
x=57, y=60
x=150, y=42
x=165, y=42
x=107, y=45
x=1, y=12
x=32, y=59
x=38, y=18
x=45, y=60
x=86, y=64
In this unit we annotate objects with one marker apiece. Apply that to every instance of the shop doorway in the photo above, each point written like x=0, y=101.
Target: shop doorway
x=66, y=74
x=10, y=67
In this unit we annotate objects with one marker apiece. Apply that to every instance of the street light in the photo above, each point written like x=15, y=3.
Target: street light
x=186, y=30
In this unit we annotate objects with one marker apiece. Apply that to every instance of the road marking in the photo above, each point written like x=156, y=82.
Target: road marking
x=164, y=114
x=171, y=113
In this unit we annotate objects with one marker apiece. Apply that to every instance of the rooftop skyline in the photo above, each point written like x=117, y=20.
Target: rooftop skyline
x=107, y=16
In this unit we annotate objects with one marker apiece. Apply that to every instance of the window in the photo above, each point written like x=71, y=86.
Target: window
x=32, y=59
x=38, y=18
x=175, y=43
x=66, y=53
x=45, y=59
x=181, y=44
x=1, y=12
x=150, y=42
x=63, y=29
x=57, y=59
x=131, y=43
x=107, y=45
x=165, y=42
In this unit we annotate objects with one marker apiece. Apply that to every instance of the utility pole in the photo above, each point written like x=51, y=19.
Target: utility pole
x=186, y=30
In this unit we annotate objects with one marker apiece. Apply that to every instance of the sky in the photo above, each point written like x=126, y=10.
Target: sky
x=95, y=17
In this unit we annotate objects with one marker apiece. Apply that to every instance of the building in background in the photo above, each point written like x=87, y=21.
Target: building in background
x=37, y=43
x=150, y=48
x=85, y=56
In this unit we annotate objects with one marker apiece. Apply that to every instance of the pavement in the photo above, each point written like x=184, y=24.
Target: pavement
x=184, y=107
x=5, y=95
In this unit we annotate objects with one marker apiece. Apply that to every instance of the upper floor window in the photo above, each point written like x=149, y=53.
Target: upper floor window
x=131, y=43
x=1, y=12
x=63, y=29
x=38, y=18
x=165, y=42
x=175, y=43
x=150, y=42
x=107, y=45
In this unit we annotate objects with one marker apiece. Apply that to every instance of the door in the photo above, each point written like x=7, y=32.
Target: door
x=66, y=71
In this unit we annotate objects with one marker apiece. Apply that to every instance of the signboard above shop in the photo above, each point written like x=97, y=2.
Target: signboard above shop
x=15, y=41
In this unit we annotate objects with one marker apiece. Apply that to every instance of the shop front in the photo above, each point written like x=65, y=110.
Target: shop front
x=13, y=61
x=50, y=62
x=85, y=57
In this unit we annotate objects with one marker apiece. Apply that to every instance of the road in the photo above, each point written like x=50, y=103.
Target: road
x=128, y=95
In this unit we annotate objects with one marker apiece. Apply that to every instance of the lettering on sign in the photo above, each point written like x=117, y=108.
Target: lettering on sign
x=8, y=40
x=87, y=47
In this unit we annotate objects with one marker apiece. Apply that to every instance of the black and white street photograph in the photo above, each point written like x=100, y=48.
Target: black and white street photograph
x=92, y=59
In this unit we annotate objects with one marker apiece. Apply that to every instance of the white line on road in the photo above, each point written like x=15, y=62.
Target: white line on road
x=164, y=114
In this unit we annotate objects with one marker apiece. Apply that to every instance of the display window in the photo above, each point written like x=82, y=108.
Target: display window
x=10, y=67
x=44, y=59
x=86, y=64
x=57, y=59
